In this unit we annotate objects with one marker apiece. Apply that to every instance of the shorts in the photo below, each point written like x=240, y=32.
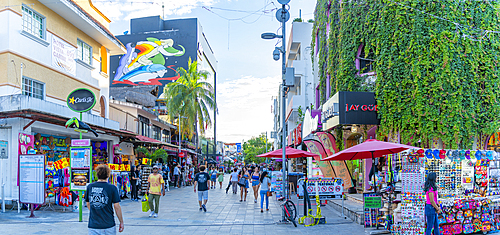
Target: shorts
x=202, y=195
x=255, y=182
x=106, y=231
x=213, y=178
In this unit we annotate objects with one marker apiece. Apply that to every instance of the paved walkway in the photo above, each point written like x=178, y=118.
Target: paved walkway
x=179, y=214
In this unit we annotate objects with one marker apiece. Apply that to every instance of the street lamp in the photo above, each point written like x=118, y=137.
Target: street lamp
x=282, y=15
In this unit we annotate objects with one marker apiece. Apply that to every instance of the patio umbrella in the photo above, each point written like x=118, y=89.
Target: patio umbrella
x=369, y=149
x=290, y=153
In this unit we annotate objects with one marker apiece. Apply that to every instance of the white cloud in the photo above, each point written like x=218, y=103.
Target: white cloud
x=245, y=107
x=128, y=9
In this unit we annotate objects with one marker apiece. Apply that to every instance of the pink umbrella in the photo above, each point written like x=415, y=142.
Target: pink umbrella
x=290, y=153
x=369, y=149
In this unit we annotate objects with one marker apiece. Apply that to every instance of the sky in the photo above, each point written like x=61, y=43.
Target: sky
x=247, y=78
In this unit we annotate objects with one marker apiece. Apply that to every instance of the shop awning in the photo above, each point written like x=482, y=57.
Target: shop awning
x=145, y=139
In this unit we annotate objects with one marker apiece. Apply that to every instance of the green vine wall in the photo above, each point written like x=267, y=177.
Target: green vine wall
x=435, y=61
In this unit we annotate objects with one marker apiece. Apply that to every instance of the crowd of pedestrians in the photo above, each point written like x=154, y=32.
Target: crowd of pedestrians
x=261, y=183
x=203, y=179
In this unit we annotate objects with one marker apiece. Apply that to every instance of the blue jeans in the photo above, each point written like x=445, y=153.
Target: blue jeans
x=263, y=194
x=432, y=220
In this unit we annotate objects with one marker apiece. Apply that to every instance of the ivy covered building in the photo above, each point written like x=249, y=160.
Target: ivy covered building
x=432, y=66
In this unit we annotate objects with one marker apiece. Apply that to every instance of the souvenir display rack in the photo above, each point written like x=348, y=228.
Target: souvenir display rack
x=145, y=172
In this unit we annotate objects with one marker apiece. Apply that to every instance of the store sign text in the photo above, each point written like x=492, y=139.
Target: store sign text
x=358, y=107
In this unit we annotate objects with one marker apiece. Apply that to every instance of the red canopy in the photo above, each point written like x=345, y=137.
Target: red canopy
x=290, y=153
x=369, y=149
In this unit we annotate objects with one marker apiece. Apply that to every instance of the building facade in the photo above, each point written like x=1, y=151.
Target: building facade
x=47, y=50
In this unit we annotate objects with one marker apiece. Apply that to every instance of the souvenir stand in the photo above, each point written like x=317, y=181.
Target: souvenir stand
x=57, y=177
x=467, y=191
x=121, y=179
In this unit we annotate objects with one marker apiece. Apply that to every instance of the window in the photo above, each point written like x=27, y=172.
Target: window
x=33, y=22
x=104, y=60
x=33, y=88
x=156, y=132
x=143, y=126
x=84, y=52
x=165, y=136
x=365, y=62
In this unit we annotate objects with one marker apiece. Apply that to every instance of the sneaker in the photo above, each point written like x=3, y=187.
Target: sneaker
x=255, y=201
x=176, y=187
x=227, y=189
x=201, y=208
x=155, y=215
x=151, y=214
x=204, y=208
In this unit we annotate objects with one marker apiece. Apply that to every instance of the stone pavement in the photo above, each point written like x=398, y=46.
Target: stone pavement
x=179, y=214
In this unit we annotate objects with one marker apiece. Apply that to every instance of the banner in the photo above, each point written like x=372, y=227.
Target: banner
x=316, y=148
x=339, y=167
x=63, y=56
x=61, y=163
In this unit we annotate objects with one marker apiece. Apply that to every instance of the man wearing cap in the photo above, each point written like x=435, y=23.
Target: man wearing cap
x=156, y=187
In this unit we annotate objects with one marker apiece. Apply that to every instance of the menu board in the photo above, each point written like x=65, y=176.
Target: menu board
x=32, y=179
x=80, y=157
x=79, y=179
x=276, y=183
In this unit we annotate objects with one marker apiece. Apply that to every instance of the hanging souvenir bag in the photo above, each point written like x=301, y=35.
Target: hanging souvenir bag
x=457, y=227
x=145, y=203
x=468, y=228
x=441, y=219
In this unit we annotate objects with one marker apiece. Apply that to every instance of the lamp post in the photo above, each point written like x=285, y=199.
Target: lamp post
x=282, y=15
x=180, y=136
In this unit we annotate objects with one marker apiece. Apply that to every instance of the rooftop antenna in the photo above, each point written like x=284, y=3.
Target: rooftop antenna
x=163, y=10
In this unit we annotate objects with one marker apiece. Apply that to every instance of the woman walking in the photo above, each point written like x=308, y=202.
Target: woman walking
x=220, y=177
x=213, y=177
x=244, y=186
x=431, y=207
x=265, y=183
x=255, y=183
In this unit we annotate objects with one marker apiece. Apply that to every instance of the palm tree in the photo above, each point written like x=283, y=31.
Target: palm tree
x=192, y=97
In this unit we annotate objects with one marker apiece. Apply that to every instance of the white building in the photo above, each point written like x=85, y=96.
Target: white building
x=47, y=50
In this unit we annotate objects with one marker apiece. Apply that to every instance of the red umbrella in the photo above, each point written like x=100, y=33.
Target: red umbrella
x=369, y=149
x=290, y=153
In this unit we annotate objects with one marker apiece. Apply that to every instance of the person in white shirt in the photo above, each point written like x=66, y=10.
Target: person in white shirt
x=234, y=181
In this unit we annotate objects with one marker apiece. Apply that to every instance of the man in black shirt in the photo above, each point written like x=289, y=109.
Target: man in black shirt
x=101, y=198
x=134, y=177
x=201, y=179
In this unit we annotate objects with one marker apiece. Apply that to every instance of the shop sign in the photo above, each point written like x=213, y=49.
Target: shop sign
x=170, y=148
x=32, y=179
x=4, y=149
x=347, y=108
x=310, y=124
x=81, y=100
x=372, y=201
x=26, y=142
x=114, y=167
x=80, y=142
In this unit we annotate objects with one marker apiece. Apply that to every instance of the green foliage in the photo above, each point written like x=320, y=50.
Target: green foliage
x=300, y=114
x=435, y=79
x=298, y=20
x=159, y=153
x=192, y=97
x=254, y=147
x=143, y=151
x=310, y=21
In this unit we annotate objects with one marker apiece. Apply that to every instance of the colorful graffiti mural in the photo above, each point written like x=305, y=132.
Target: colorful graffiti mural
x=145, y=63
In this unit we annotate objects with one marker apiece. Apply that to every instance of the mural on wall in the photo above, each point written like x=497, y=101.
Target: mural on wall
x=145, y=63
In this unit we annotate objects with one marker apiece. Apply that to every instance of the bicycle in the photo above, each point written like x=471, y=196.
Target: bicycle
x=289, y=210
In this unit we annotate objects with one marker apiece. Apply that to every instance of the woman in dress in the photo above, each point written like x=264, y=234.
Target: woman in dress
x=243, y=188
x=255, y=183
x=220, y=177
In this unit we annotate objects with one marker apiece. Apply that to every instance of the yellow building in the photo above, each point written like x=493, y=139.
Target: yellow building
x=48, y=48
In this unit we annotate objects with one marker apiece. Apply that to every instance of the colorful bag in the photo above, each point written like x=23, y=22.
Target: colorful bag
x=145, y=203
